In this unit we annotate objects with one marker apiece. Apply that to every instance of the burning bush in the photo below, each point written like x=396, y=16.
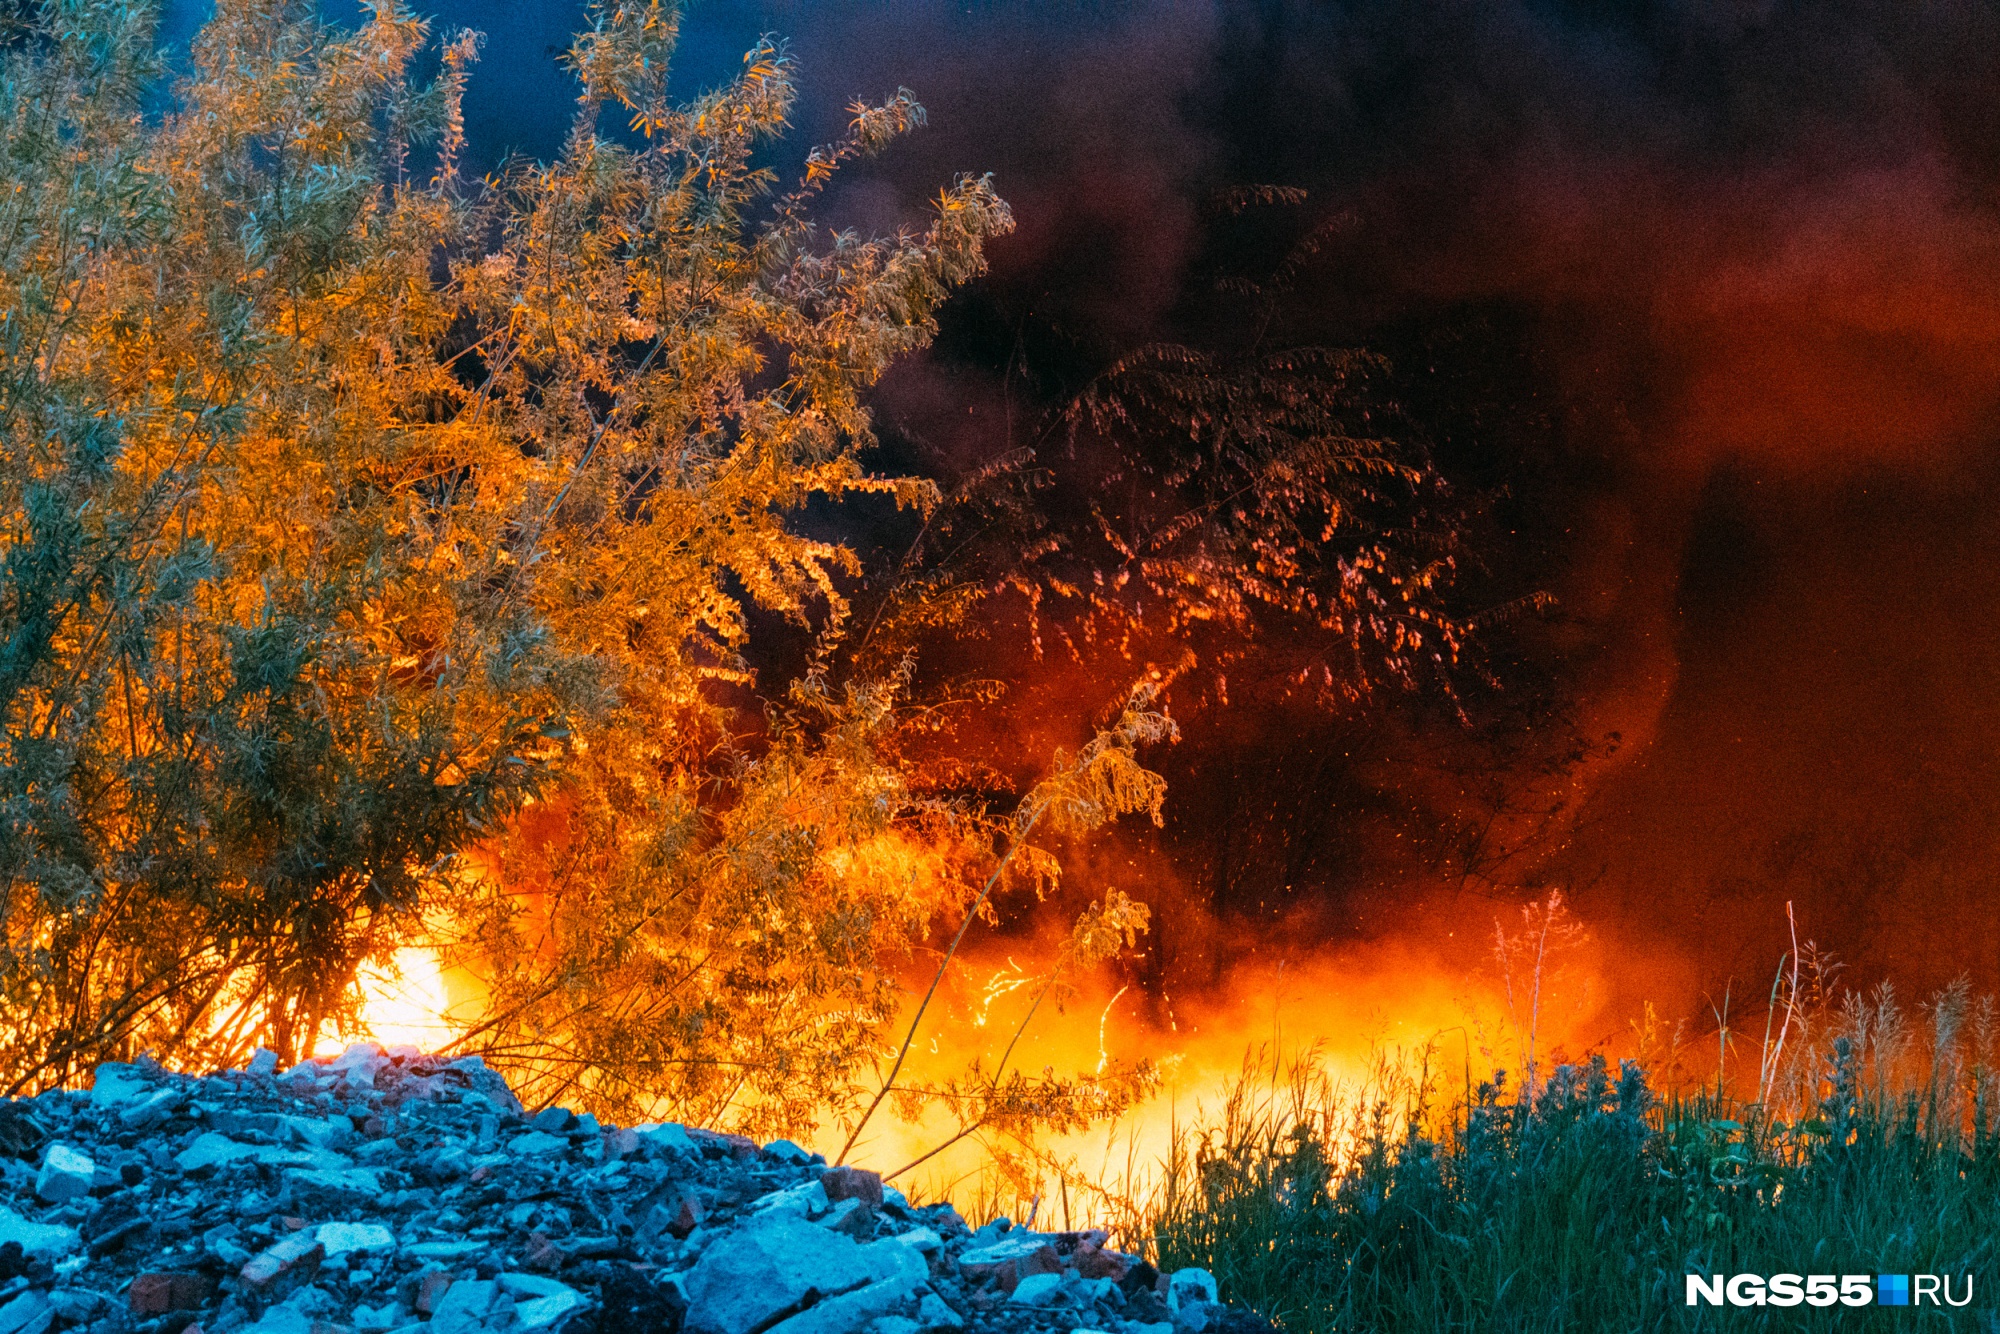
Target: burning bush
x=349, y=507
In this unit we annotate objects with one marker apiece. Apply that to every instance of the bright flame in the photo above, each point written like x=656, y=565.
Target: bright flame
x=1375, y=1019
x=405, y=1003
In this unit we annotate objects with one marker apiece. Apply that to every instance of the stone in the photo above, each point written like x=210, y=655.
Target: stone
x=1041, y=1290
x=850, y=1312
x=359, y=1063
x=934, y=1314
x=432, y=1223
x=852, y=1183
x=263, y=1062
x=1095, y=1262
x=1009, y=1260
x=553, y=1120
x=350, y=1184
x=115, y=1083
x=1185, y=1285
x=668, y=1136
x=341, y=1238
x=547, y=1313
x=20, y=1133
x=775, y=1263
x=282, y=1320
x=740, y=1147
x=293, y=1259
x=431, y=1289
x=852, y=1217
x=141, y=1113
x=80, y=1306
x=65, y=1174
x=520, y=1285
x=537, y=1143
x=315, y=1131
x=375, y=1319
x=463, y=1306
x=211, y=1149
x=805, y=1200
x=29, y=1313
x=160, y=1291
x=38, y=1241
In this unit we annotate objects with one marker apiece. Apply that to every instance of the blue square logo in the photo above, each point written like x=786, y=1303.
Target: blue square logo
x=1892, y=1289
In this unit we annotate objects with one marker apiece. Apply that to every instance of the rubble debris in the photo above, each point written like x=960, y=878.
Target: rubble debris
x=389, y=1191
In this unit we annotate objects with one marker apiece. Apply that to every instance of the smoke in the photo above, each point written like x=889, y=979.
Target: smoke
x=1726, y=274
x=1752, y=254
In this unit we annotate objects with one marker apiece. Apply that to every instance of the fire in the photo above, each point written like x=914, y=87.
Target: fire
x=1373, y=1019
x=404, y=1003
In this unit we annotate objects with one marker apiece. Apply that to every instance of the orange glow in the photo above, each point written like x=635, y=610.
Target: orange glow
x=406, y=1003
x=1372, y=1018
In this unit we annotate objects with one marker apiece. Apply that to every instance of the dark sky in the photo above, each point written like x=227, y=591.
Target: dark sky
x=1743, y=260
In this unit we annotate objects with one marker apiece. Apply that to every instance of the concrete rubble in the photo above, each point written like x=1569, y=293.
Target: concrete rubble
x=381, y=1191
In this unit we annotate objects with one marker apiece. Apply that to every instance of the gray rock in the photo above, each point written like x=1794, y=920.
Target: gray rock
x=519, y=1285
x=140, y=1113
x=211, y=1149
x=1194, y=1317
x=1019, y=1246
x=668, y=1136
x=1186, y=1285
x=777, y=1263
x=745, y=1239
x=464, y=1306
x=265, y=1062
x=45, y=1241
x=65, y=1174
x=920, y=1239
x=29, y=1313
x=933, y=1314
x=376, y=1319
x=536, y=1143
x=1042, y=1290
x=547, y=1313
x=805, y=1200
x=316, y=1132
x=283, y=1319
x=851, y=1312
x=287, y=1260
x=359, y=1063
x=340, y=1238
x=115, y=1084
x=357, y=1183
x=79, y=1305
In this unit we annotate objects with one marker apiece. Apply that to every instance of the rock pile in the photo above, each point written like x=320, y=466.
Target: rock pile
x=397, y=1191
